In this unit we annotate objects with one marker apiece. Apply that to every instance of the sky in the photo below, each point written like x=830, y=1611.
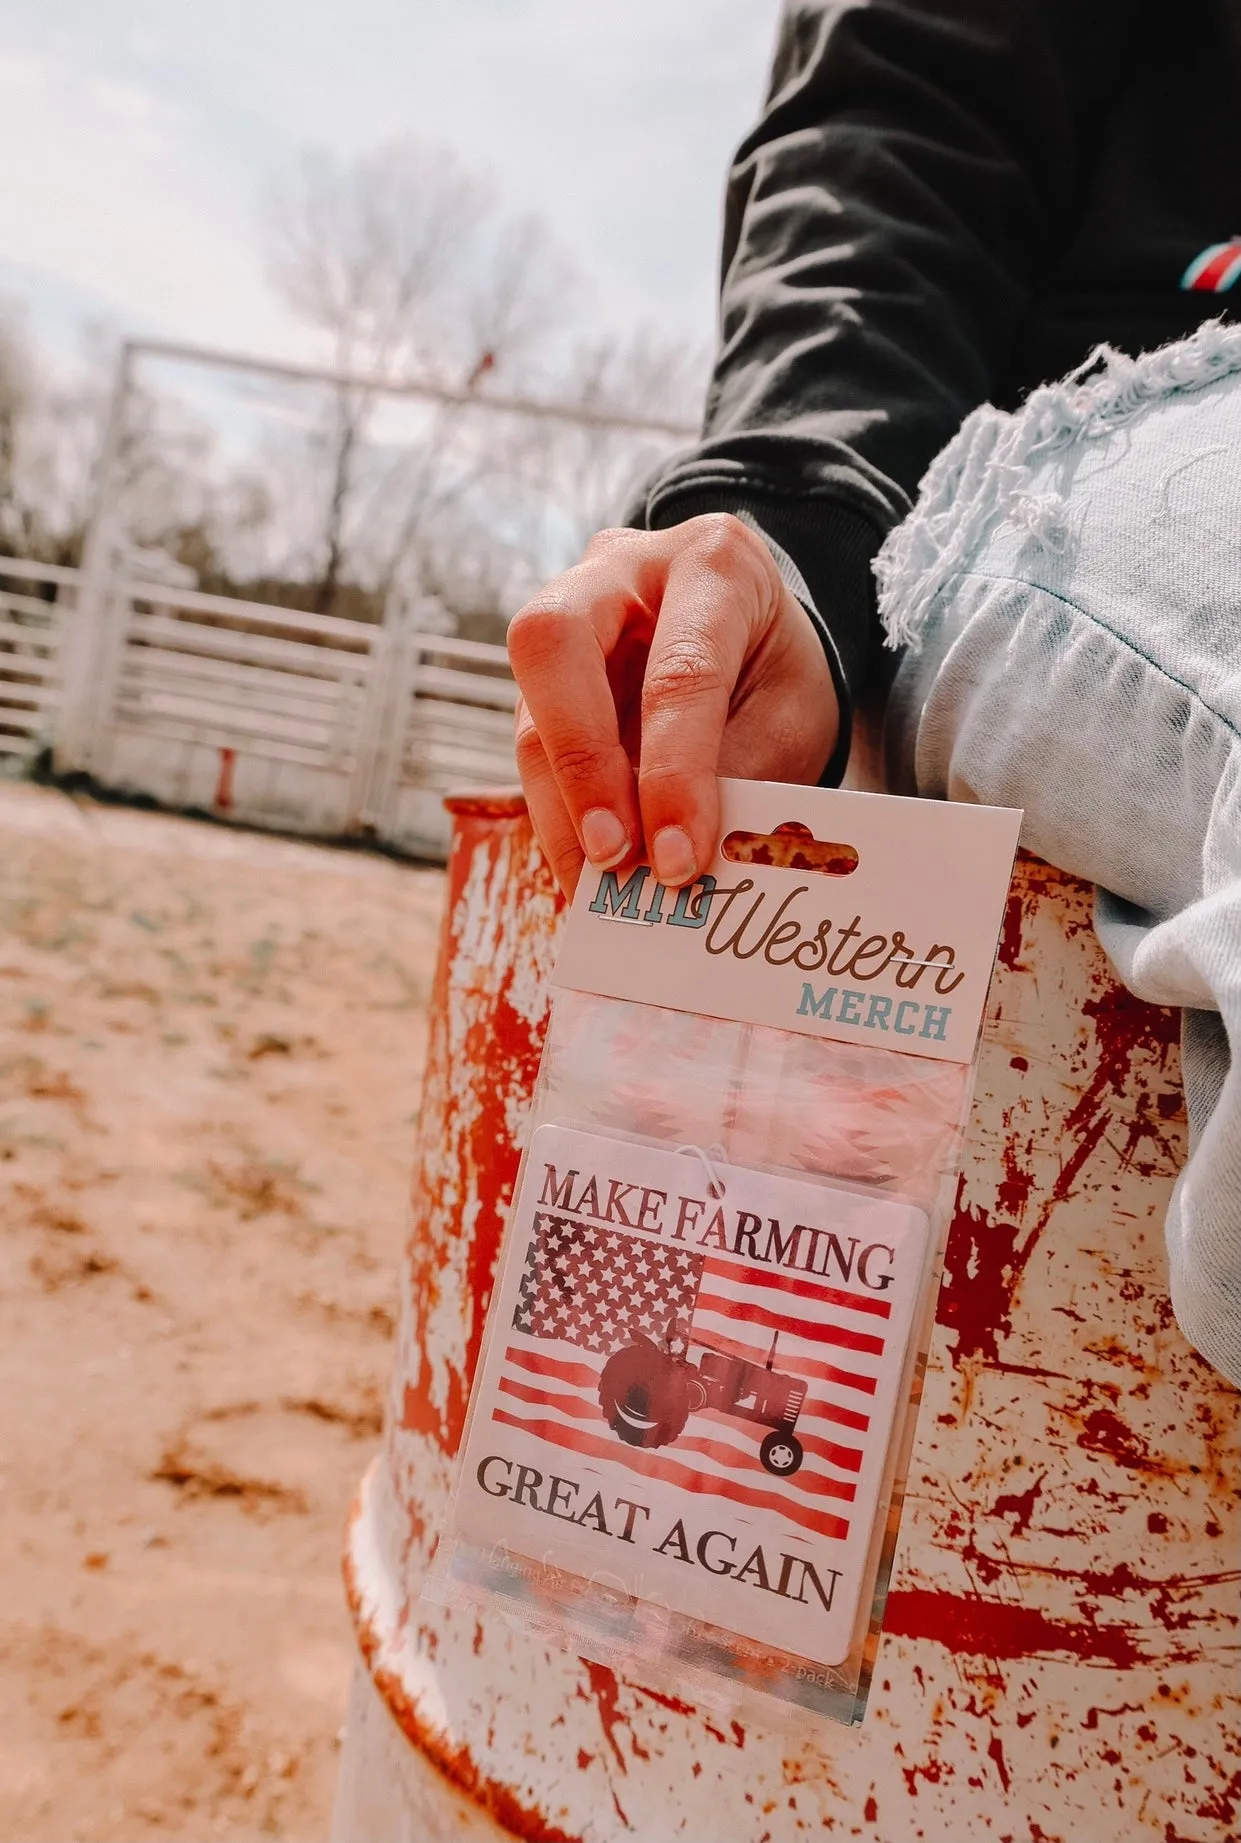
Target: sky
x=138, y=137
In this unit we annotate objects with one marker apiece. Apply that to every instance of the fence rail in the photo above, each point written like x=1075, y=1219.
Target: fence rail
x=268, y=715
x=30, y=627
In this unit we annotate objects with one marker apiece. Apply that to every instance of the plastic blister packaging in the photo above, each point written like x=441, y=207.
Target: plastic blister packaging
x=689, y=1431
x=855, y=1112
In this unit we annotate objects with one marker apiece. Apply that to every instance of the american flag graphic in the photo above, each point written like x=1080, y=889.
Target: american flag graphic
x=588, y=1292
x=600, y=1288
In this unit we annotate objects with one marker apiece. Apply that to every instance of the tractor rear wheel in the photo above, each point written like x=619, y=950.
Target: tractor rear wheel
x=781, y=1453
x=644, y=1394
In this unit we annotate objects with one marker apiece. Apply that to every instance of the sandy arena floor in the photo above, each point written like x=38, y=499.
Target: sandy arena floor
x=210, y=1045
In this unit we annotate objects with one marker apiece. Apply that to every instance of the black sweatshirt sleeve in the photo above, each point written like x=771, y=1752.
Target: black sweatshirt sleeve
x=913, y=173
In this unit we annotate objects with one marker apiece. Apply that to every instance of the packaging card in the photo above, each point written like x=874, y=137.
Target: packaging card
x=858, y=917
x=690, y=1387
x=701, y=1366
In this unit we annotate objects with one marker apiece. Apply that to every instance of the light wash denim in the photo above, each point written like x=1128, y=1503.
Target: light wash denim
x=1068, y=592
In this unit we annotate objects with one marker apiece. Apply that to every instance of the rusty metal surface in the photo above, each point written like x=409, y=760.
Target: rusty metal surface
x=1061, y=1645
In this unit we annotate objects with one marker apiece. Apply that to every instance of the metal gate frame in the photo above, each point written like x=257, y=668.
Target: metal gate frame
x=401, y=755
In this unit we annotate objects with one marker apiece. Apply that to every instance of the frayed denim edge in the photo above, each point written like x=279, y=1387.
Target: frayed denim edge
x=984, y=472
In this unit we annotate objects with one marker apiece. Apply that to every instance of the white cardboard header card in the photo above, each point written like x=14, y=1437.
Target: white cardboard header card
x=859, y=917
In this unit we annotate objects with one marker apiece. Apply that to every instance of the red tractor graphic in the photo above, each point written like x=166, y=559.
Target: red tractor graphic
x=647, y=1394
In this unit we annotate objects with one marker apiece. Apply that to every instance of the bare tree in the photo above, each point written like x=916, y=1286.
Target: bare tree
x=19, y=385
x=591, y=471
x=401, y=262
x=50, y=423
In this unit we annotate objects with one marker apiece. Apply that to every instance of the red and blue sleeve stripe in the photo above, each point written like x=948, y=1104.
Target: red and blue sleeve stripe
x=1215, y=271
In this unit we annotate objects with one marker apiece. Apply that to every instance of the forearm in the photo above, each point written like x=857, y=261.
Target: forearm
x=882, y=225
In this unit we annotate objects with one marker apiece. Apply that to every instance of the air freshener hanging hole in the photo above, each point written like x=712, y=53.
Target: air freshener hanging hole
x=716, y=1186
x=792, y=846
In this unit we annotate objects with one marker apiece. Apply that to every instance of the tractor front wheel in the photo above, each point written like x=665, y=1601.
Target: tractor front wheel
x=781, y=1453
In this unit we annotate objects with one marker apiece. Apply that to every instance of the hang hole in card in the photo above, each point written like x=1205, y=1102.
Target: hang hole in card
x=791, y=846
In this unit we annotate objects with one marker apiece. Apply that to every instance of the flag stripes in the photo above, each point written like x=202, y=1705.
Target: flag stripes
x=654, y=1465
x=848, y=1458
x=750, y=1312
x=799, y=1288
x=832, y=1411
x=557, y=1399
x=580, y=1376
x=725, y=1452
x=717, y=1334
x=577, y=1375
x=752, y=1348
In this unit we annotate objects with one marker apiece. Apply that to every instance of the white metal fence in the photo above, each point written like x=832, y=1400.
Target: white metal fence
x=303, y=722
x=30, y=627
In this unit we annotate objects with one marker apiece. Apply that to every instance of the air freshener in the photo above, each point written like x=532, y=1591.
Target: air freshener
x=690, y=1423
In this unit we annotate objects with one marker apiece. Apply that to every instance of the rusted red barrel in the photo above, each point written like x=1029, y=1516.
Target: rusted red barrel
x=1060, y=1651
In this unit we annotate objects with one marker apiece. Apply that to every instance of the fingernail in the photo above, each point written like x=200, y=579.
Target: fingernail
x=604, y=839
x=673, y=852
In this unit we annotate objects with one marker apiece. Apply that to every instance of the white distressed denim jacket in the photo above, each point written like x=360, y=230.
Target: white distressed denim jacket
x=1068, y=589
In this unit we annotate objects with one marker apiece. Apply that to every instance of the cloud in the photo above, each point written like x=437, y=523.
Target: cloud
x=118, y=200
x=137, y=136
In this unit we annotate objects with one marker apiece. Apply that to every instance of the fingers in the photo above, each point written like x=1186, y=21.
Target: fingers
x=720, y=598
x=559, y=646
x=549, y=816
x=651, y=625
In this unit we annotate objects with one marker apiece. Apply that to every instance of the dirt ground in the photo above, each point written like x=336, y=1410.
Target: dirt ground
x=210, y=1045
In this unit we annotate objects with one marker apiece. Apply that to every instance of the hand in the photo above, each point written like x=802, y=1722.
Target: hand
x=663, y=659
